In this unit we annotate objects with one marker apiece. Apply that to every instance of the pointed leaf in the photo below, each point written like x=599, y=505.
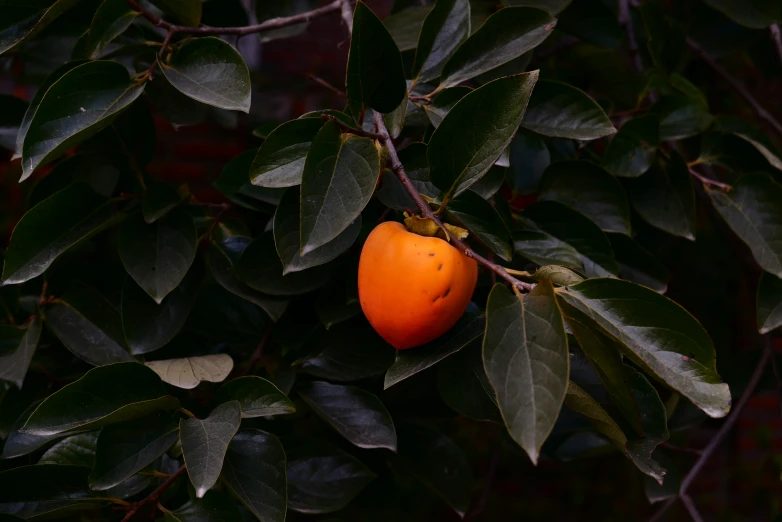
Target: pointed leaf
x=257, y=397
x=205, y=442
x=526, y=358
x=21, y=20
x=544, y=249
x=632, y=151
x=18, y=443
x=477, y=215
x=681, y=116
x=748, y=132
x=280, y=160
x=580, y=401
x=769, y=303
x=15, y=360
x=158, y=200
x=446, y=26
x=188, y=372
x=111, y=19
x=76, y=450
x=405, y=25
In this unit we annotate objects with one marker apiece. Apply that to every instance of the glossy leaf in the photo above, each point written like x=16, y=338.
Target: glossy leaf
x=505, y=35
x=15, y=360
x=464, y=387
x=478, y=216
x=526, y=358
x=580, y=401
x=340, y=175
x=558, y=275
x=158, y=200
x=375, y=75
x=76, y=450
x=443, y=102
x=544, y=249
x=103, y=396
x=405, y=26
x=491, y=183
x=256, y=396
x=22, y=20
x=18, y=443
x=83, y=101
x=769, y=303
x=632, y=151
x=205, y=442
x=280, y=160
x=476, y=132
x=188, y=372
x=562, y=111
x=126, y=448
x=752, y=210
x=52, y=227
x=446, y=26
x=188, y=12
x=681, y=116
x=590, y=190
x=209, y=70
x=111, y=19
x=355, y=413
x=751, y=134
x=658, y=335
x=158, y=256
x=254, y=470
x=638, y=265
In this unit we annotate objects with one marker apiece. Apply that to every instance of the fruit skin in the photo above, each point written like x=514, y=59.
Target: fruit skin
x=412, y=288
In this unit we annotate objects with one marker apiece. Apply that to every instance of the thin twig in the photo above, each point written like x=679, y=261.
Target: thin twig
x=346, y=10
x=691, y=509
x=710, y=182
x=626, y=22
x=681, y=449
x=351, y=130
x=777, y=38
x=257, y=355
x=326, y=85
x=155, y=495
x=399, y=170
x=737, y=85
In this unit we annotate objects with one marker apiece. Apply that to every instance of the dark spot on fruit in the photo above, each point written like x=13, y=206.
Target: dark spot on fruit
x=440, y=267
x=446, y=293
x=435, y=299
x=431, y=255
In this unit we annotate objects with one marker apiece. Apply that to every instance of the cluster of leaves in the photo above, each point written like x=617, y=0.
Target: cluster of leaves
x=164, y=295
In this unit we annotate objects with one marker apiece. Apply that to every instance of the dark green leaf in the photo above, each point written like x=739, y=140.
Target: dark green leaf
x=443, y=102
x=158, y=200
x=88, y=325
x=355, y=413
x=188, y=12
x=464, y=387
x=15, y=360
x=257, y=397
x=666, y=38
x=526, y=358
x=477, y=215
x=654, y=422
x=664, y=197
x=216, y=506
x=174, y=106
x=18, y=443
x=681, y=116
x=340, y=176
x=507, y=34
x=560, y=110
x=413, y=158
x=476, y=131
x=638, y=265
x=322, y=478
x=205, y=442
x=757, y=14
x=409, y=362
x=585, y=187
x=12, y=112
x=83, y=101
x=769, y=303
x=753, y=211
x=209, y=70
x=281, y=8
x=748, y=132
x=529, y=157
x=225, y=317
x=405, y=26
x=488, y=185
x=658, y=335
x=558, y=275
x=336, y=302
x=234, y=183
x=446, y=26
x=280, y=160
x=254, y=470
x=52, y=227
x=158, y=256
x=189, y=372
x=125, y=449
x=104, y=395
x=21, y=20
x=632, y=151
x=76, y=450
x=375, y=76
x=439, y=463
x=580, y=401
x=111, y=19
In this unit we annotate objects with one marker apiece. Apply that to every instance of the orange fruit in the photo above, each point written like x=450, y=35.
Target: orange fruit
x=412, y=288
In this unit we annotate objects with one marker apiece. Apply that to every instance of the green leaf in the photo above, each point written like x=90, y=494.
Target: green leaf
x=409, y=362
x=222, y=259
x=355, y=413
x=587, y=188
x=12, y=111
x=15, y=360
x=209, y=70
x=235, y=184
x=580, y=401
x=158, y=256
x=529, y=157
x=52, y=227
x=205, y=442
x=464, y=386
x=638, y=265
x=439, y=463
x=178, y=109
x=526, y=358
x=507, y=34
x=260, y=268
x=76, y=450
x=375, y=76
x=214, y=507
x=21, y=20
x=257, y=397
x=322, y=478
x=632, y=151
x=18, y=443
x=477, y=215
x=88, y=325
x=577, y=231
x=83, y=101
x=405, y=26
x=665, y=198
x=254, y=470
x=111, y=19
x=104, y=395
x=443, y=102
x=562, y=111
x=681, y=116
x=446, y=26
x=188, y=12
x=126, y=448
x=280, y=160
x=753, y=211
x=158, y=200
x=558, y=275
x=491, y=183
x=188, y=372
x=544, y=249
x=656, y=334
x=666, y=38
x=756, y=14
x=769, y=303
x=393, y=194
x=340, y=176
x=476, y=131
x=281, y=8
x=751, y=134
x=654, y=422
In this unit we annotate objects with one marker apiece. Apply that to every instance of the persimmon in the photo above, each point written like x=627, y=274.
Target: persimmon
x=412, y=288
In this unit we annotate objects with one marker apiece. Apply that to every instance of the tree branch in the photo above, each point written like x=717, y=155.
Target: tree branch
x=351, y=130
x=399, y=170
x=710, y=182
x=155, y=495
x=737, y=86
x=777, y=38
x=691, y=509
